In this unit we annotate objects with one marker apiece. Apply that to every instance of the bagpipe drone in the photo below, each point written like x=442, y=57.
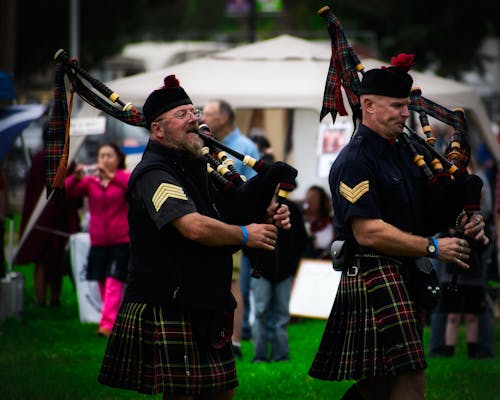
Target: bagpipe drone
x=451, y=190
x=272, y=179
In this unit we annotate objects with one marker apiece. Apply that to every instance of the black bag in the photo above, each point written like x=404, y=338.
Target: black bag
x=341, y=252
x=424, y=284
x=212, y=328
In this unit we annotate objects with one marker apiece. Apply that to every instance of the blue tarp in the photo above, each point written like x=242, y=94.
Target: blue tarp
x=13, y=120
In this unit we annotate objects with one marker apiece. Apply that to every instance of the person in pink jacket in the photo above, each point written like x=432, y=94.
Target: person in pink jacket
x=105, y=184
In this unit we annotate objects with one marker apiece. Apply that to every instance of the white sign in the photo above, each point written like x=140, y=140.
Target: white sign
x=88, y=125
x=332, y=138
x=314, y=289
x=89, y=299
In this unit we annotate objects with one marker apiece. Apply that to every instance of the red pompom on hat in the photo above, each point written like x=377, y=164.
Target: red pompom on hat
x=167, y=97
x=393, y=81
x=171, y=81
x=403, y=61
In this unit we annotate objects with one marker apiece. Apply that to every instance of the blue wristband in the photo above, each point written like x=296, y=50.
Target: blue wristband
x=435, y=241
x=245, y=235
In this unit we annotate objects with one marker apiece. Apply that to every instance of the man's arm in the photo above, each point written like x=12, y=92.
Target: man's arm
x=387, y=239
x=212, y=232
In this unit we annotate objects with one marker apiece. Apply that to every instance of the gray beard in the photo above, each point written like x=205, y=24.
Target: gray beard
x=191, y=148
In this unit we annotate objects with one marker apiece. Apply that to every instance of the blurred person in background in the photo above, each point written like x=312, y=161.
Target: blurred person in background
x=104, y=185
x=45, y=244
x=272, y=289
x=318, y=218
x=264, y=146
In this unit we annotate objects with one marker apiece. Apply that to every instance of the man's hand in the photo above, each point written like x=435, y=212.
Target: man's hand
x=473, y=227
x=262, y=236
x=279, y=215
x=454, y=250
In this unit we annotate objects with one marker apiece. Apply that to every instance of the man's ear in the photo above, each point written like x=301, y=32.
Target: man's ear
x=367, y=104
x=157, y=131
x=223, y=118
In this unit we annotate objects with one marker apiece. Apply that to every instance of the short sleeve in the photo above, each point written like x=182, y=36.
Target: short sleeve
x=354, y=190
x=164, y=197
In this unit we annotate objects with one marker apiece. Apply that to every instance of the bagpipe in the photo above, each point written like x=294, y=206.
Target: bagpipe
x=451, y=190
x=275, y=179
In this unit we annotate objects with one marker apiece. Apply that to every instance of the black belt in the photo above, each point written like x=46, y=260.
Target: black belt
x=370, y=260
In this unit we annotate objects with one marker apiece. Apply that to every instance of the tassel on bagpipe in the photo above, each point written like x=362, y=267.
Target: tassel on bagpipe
x=257, y=192
x=451, y=188
x=93, y=92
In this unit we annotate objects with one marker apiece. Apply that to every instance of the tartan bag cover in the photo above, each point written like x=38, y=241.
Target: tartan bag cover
x=56, y=141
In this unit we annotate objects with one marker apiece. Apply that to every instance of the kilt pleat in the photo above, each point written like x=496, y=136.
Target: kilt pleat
x=373, y=327
x=152, y=350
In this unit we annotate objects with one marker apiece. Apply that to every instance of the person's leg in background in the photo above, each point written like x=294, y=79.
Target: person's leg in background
x=477, y=323
x=409, y=385
x=471, y=334
x=245, y=278
x=101, y=284
x=113, y=294
x=40, y=283
x=238, y=319
x=238, y=312
x=262, y=290
x=55, y=267
x=485, y=340
x=281, y=317
x=54, y=281
x=436, y=339
x=438, y=319
x=452, y=325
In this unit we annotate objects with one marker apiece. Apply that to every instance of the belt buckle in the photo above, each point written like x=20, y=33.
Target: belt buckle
x=352, y=271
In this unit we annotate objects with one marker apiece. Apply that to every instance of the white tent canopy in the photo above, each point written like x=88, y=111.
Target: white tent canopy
x=284, y=72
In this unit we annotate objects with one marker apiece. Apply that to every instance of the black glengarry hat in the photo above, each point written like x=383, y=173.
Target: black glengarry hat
x=169, y=96
x=393, y=81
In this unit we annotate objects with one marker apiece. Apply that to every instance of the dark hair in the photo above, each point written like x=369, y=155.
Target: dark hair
x=119, y=153
x=225, y=108
x=325, y=204
x=261, y=141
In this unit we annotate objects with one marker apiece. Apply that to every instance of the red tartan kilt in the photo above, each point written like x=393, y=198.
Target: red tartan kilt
x=151, y=350
x=374, y=328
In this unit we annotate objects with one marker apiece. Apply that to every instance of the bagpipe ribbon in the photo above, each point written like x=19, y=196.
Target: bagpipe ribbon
x=57, y=139
x=342, y=71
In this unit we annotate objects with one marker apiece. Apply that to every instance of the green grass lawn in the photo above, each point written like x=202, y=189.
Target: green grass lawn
x=49, y=354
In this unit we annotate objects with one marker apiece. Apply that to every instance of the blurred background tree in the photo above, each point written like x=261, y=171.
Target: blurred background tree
x=444, y=36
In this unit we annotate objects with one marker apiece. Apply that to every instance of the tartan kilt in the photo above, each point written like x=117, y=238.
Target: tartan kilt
x=374, y=327
x=152, y=350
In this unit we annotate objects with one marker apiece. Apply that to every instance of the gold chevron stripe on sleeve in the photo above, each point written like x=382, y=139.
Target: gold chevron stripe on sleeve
x=166, y=190
x=353, y=194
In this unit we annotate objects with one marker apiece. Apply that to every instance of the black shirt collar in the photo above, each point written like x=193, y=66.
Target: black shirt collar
x=375, y=141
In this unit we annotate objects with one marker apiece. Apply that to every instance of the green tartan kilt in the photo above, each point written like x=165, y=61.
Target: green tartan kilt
x=152, y=350
x=374, y=327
